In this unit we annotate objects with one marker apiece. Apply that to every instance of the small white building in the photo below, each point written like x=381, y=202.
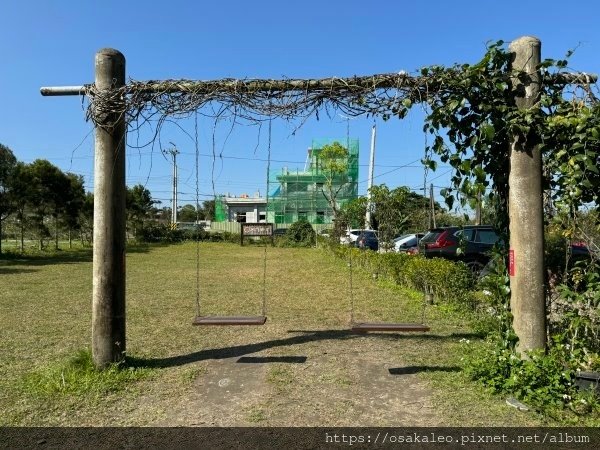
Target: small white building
x=245, y=209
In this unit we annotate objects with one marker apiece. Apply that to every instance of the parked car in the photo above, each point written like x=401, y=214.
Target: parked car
x=578, y=251
x=350, y=237
x=368, y=240
x=470, y=244
x=326, y=232
x=407, y=242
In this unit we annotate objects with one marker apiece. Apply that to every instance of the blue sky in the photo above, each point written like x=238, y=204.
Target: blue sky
x=45, y=43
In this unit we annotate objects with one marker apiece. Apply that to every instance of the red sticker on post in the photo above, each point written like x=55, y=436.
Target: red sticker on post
x=511, y=263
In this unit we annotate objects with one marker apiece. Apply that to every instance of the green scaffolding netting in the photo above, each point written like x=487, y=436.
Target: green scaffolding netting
x=296, y=194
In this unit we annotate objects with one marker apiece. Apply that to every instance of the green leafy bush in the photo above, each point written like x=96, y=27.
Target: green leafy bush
x=163, y=233
x=574, y=316
x=155, y=233
x=449, y=281
x=300, y=234
x=543, y=381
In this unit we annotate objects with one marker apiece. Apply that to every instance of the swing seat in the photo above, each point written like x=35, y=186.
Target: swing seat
x=365, y=327
x=229, y=320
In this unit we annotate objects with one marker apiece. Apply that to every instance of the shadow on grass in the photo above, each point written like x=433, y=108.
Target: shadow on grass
x=305, y=337
x=66, y=256
x=272, y=359
x=13, y=270
x=46, y=257
x=409, y=370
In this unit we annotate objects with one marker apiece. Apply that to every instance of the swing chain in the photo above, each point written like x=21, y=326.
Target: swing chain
x=197, y=216
x=351, y=288
x=264, y=292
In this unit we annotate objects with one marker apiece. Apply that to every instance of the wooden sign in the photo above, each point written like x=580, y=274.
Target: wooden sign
x=257, y=229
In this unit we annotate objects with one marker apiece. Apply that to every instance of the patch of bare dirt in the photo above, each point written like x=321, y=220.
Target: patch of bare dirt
x=337, y=380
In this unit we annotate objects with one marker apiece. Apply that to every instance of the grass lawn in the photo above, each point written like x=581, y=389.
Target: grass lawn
x=302, y=368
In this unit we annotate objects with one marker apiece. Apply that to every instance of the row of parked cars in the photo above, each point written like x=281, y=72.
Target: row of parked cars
x=470, y=244
x=369, y=239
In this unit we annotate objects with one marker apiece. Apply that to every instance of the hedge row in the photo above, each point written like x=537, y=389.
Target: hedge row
x=163, y=233
x=448, y=281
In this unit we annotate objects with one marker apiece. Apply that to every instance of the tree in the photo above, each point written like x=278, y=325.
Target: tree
x=207, y=212
x=390, y=211
x=74, y=201
x=161, y=214
x=7, y=166
x=21, y=185
x=334, y=163
x=45, y=195
x=353, y=213
x=86, y=218
x=419, y=212
x=139, y=205
x=187, y=213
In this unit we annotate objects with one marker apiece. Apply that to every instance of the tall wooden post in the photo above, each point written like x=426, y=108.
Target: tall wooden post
x=108, y=304
x=525, y=205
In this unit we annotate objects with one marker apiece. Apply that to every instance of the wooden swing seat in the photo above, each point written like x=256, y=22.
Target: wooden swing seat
x=382, y=326
x=229, y=320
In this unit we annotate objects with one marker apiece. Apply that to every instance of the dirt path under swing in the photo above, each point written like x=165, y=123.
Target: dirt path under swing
x=325, y=378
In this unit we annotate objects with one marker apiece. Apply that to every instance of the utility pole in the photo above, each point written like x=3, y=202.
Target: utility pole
x=478, y=204
x=174, y=152
x=370, y=179
x=478, y=209
x=432, y=205
x=525, y=206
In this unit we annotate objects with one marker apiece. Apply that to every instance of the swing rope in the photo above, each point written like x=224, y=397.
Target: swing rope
x=264, y=291
x=197, y=214
x=351, y=289
x=386, y=230
x=224, y=320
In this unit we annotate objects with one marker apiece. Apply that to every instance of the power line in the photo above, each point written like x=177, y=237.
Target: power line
x=393, y=170
x=241, y=158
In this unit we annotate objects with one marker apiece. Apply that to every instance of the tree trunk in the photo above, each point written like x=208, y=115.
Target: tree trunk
x=56, y=232
x=70, y=241
x=22, y=235
x=0, y=235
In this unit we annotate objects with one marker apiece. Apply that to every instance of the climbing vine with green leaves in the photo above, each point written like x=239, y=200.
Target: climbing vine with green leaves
x=474, y=118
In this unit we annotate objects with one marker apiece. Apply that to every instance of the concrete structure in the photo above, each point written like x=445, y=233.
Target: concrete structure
x=108, y=302
x=245, y=209
x=525, y=207
x=303, y=194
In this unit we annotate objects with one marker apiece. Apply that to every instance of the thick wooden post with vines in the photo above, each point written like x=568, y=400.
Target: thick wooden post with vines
x=525, y=206
x=108, y=303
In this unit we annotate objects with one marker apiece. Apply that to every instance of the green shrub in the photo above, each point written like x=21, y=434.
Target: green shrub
x=153, y=233
x=574, y=318
x=223, y=236
x=449, y=281
x=300, y=234
x=164, y=233
x=544, y=381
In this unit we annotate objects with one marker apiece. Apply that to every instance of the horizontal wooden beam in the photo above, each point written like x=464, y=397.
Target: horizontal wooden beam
x=380, y=81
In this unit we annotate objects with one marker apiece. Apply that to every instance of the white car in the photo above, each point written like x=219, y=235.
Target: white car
x=407, y=241
x=350, y=237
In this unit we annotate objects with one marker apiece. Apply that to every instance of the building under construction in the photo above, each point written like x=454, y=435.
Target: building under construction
x=296, y=194
x=306, y=194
